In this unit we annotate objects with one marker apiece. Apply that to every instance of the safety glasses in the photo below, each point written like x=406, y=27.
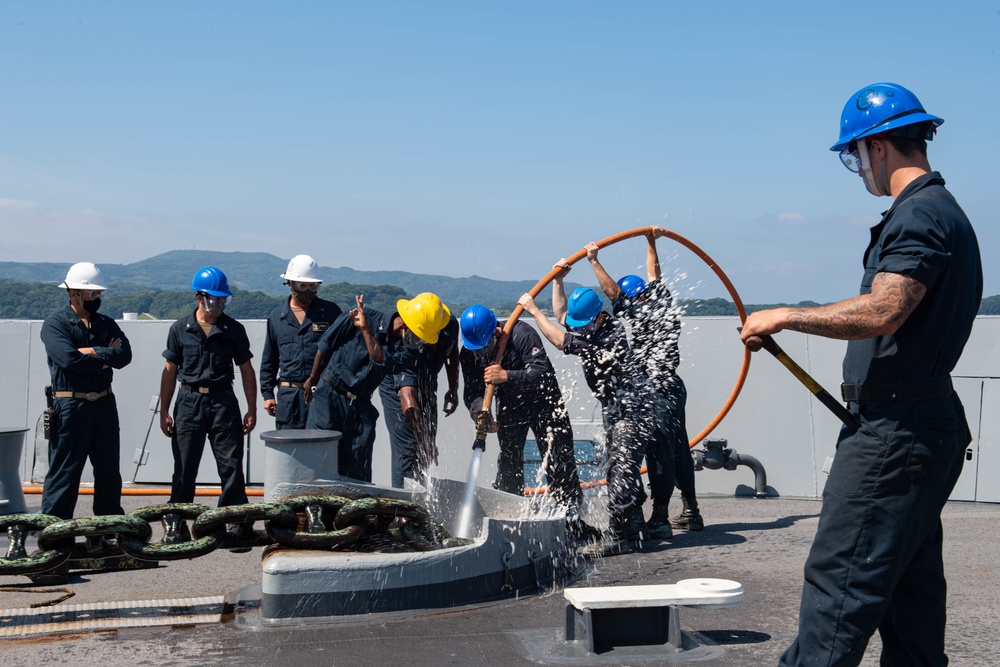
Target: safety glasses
x=851, y=157
x=586, y=330
x=412, y=342
x=216, y=300
x=303, y=287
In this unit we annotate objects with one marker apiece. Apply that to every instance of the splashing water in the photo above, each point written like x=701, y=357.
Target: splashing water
x=465, y=522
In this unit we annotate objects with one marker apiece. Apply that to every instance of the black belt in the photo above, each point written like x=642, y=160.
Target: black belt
x=340, y=390
x=210, y=389
x=896, y=392
x=87, y=395
x=295, y=385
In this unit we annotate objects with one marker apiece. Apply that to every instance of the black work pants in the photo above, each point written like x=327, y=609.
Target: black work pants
x=626, y=437
x=660, y=453
x=217, y=416
x=291, y=410
x=355, y=419
x=670, y=405
x=876, y=561
x=84, y=429
x=551, y=426
x=402, y=441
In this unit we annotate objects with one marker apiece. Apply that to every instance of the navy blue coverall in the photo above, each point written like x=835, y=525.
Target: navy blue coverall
x=427, y=364
x=342, y=400
x=85, y=425
x=620, y=385
x=656, y=328
x=530, y=398
x=876, y=560
x=289, y=351
x=206, y=405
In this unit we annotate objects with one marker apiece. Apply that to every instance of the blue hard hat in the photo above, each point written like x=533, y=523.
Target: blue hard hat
x=632, y=285
x=878, y=108
x=476, y=326
x=584, y=305
x=211, y=281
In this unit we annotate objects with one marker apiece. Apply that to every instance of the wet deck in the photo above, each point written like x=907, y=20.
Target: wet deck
x=759, y=543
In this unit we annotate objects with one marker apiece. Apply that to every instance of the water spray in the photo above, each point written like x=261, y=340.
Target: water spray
x=543, y=283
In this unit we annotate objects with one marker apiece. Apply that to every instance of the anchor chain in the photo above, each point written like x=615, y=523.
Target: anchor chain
x=304, y=522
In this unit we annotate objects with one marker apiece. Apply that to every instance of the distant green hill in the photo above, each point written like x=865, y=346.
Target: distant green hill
x=258, y=271
x=161, y=285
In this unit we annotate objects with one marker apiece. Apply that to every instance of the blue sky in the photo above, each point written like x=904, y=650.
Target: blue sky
x=463, y=138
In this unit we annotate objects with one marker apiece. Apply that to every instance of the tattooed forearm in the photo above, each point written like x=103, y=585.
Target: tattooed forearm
x=881, y=313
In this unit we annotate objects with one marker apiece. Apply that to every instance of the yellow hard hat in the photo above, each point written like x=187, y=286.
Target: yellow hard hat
x=424, y=315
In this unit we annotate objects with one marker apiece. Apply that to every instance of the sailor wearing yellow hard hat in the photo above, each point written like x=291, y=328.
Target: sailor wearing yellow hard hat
x=359, y=349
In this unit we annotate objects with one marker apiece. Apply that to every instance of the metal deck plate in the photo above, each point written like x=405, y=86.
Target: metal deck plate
x=110, y=616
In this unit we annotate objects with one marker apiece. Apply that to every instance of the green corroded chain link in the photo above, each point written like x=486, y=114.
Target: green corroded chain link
x=302, y=522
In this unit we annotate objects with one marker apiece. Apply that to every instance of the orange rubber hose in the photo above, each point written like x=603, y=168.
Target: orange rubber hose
x=89, y=491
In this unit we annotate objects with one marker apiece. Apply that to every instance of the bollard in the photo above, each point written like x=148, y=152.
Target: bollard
x=298, y=456
x=11, y=496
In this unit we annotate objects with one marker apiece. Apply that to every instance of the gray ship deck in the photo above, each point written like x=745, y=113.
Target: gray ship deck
x=759, y=543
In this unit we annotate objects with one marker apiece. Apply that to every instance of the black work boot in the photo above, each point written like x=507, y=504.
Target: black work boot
x=581, y=531
x=101, y=545
x=659, y=521
x=690, y=517
x=175, y=530
x=245, y=536
x=627, y=532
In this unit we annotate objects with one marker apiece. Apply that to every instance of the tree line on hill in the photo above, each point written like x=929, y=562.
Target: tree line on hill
x=35, y=301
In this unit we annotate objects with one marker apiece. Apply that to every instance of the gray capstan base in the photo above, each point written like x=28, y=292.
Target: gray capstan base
x=520, y=550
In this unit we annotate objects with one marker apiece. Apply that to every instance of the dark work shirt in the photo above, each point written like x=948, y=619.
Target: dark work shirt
x=612, y=371
x=656, y=330
x=290, y=347
x=531, y=379
x=350, y=368
x=207, y=361
x=64, y=333
x=924, y=235
x=421, y=368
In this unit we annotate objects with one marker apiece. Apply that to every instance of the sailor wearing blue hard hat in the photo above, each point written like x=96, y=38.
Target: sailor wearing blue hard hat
x=876, y=561
x=528, y=397
x=649, y=310
x=880, y=110
x=615, y=377
x=202, y=350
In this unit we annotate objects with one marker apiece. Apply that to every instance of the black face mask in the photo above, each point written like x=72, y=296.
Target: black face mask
x=484, y=355
x=92, y=306
x=305, y=298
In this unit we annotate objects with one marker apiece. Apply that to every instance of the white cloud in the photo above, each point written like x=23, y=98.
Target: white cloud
x=16, y=205
x=865, y=221
x=792, y=218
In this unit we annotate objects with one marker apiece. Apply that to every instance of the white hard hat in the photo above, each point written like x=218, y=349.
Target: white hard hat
x=85, y=276
x=302, y=269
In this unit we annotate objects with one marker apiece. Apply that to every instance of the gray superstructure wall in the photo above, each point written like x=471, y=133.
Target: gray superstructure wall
x=775, y=419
